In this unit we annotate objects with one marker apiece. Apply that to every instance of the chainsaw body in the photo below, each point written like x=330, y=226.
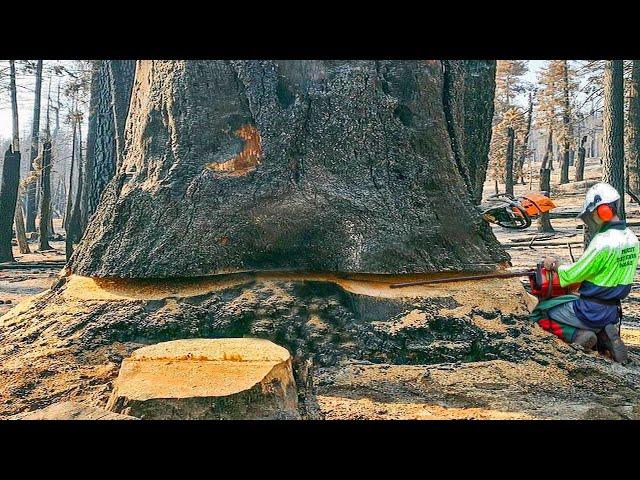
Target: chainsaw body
x=545, y=284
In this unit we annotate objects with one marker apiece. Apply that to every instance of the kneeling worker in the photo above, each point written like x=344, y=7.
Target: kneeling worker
x=606, y=271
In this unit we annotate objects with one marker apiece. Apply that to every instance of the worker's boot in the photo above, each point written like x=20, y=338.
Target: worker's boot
x=585, y=339
x=609, y=338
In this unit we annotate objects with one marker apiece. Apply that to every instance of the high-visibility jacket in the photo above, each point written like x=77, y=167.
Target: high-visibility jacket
x=606, y=269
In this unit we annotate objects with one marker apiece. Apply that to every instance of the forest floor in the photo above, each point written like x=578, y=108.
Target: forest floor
x=18, y=284
x=59, y=349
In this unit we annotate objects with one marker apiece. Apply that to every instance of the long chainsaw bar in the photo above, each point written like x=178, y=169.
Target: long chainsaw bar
x=519, y=273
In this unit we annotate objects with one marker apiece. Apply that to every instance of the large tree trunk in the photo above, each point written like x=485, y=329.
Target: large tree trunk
x=580, y=161
x=8, y=198
x=508, y=173
x=35, y=134
x=544, y=223
x=468, y=101
x=44, y=219
x=297, y=165
x=566, y=121
x=111, y=84
x=121, y=76
x=633, y=137
x=613, y=129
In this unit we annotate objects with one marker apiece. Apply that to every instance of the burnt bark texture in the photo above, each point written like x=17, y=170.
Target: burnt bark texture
x=582, y=152
x=8, y=199
x=524, y=148
x=297, y=165
x=35, y=135
x=468, y=101
x=44, y=218
x=613, y=129
x=633, y=137
x=544, y=223
x=121, y=76
x=566, y=123
x=101, y=146
x=111, y=84
x=508, y=174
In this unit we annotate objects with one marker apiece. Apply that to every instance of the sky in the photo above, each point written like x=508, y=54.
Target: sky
x=25, y=98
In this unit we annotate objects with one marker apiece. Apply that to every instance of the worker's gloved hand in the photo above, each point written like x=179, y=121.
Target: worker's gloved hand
x=551, y=264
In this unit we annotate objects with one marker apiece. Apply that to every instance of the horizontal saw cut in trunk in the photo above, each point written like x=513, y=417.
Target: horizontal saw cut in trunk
x=339, y=166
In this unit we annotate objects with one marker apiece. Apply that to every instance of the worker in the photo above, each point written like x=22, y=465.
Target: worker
x=605, y=272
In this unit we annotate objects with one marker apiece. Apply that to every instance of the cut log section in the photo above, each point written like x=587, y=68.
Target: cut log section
x=198, y=379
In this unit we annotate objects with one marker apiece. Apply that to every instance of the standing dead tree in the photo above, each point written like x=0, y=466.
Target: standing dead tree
x=613, y=129
x=633, y=130
x=35, y=133
x=44, y=219
x=508, y=174
x=8, y=197
x=582, y=152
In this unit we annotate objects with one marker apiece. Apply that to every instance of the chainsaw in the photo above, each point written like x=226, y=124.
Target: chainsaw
x=515, y=213
x=544, y=283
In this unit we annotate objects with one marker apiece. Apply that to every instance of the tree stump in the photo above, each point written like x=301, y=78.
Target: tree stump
x=207, y=379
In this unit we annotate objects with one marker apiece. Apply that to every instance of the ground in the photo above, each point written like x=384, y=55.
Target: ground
x=361, y=349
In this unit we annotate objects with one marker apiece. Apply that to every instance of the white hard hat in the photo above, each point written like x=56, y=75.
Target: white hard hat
x=599, y=194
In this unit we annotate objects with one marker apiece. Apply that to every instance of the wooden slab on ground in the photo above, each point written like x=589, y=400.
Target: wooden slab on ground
x=70, y=411
x=197, y=379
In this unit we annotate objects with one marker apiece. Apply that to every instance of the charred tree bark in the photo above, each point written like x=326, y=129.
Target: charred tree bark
x=297, y=165
x=44, y=219
x=35, y=133
x=508, y=173
x=582, y=152
x=544, y=223
x=613, y=129
x=121, y=76
x=8, y=198
x=633, y=137
x=468, y=100
x=69, y=205
x=74, y=226
x=525, y=142
x=566, y=122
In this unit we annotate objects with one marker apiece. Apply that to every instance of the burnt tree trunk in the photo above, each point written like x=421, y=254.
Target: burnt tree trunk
x=468, y=100
x=633, y=137
x=8, y=198
x=74, y=226
x=69, y=204
x=582, y=152
x=613, y=129
x=121, y=76
x=508, y=166
x=21, y=234
x=566, y=124
x=322, y=165
x=544, y=223
x=35, y=133
x=525, y=142
x=111, y=84
x=44, y=218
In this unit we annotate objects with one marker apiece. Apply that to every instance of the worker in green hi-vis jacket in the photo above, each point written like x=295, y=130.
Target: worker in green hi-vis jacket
x=605, y=273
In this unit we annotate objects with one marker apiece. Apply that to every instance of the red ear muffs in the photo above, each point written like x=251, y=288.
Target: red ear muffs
x=605, y=212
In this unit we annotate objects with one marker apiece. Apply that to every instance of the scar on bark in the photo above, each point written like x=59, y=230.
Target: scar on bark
x=247, y=159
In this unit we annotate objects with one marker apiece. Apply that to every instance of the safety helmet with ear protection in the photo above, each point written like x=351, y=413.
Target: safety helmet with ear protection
x=598, y=198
